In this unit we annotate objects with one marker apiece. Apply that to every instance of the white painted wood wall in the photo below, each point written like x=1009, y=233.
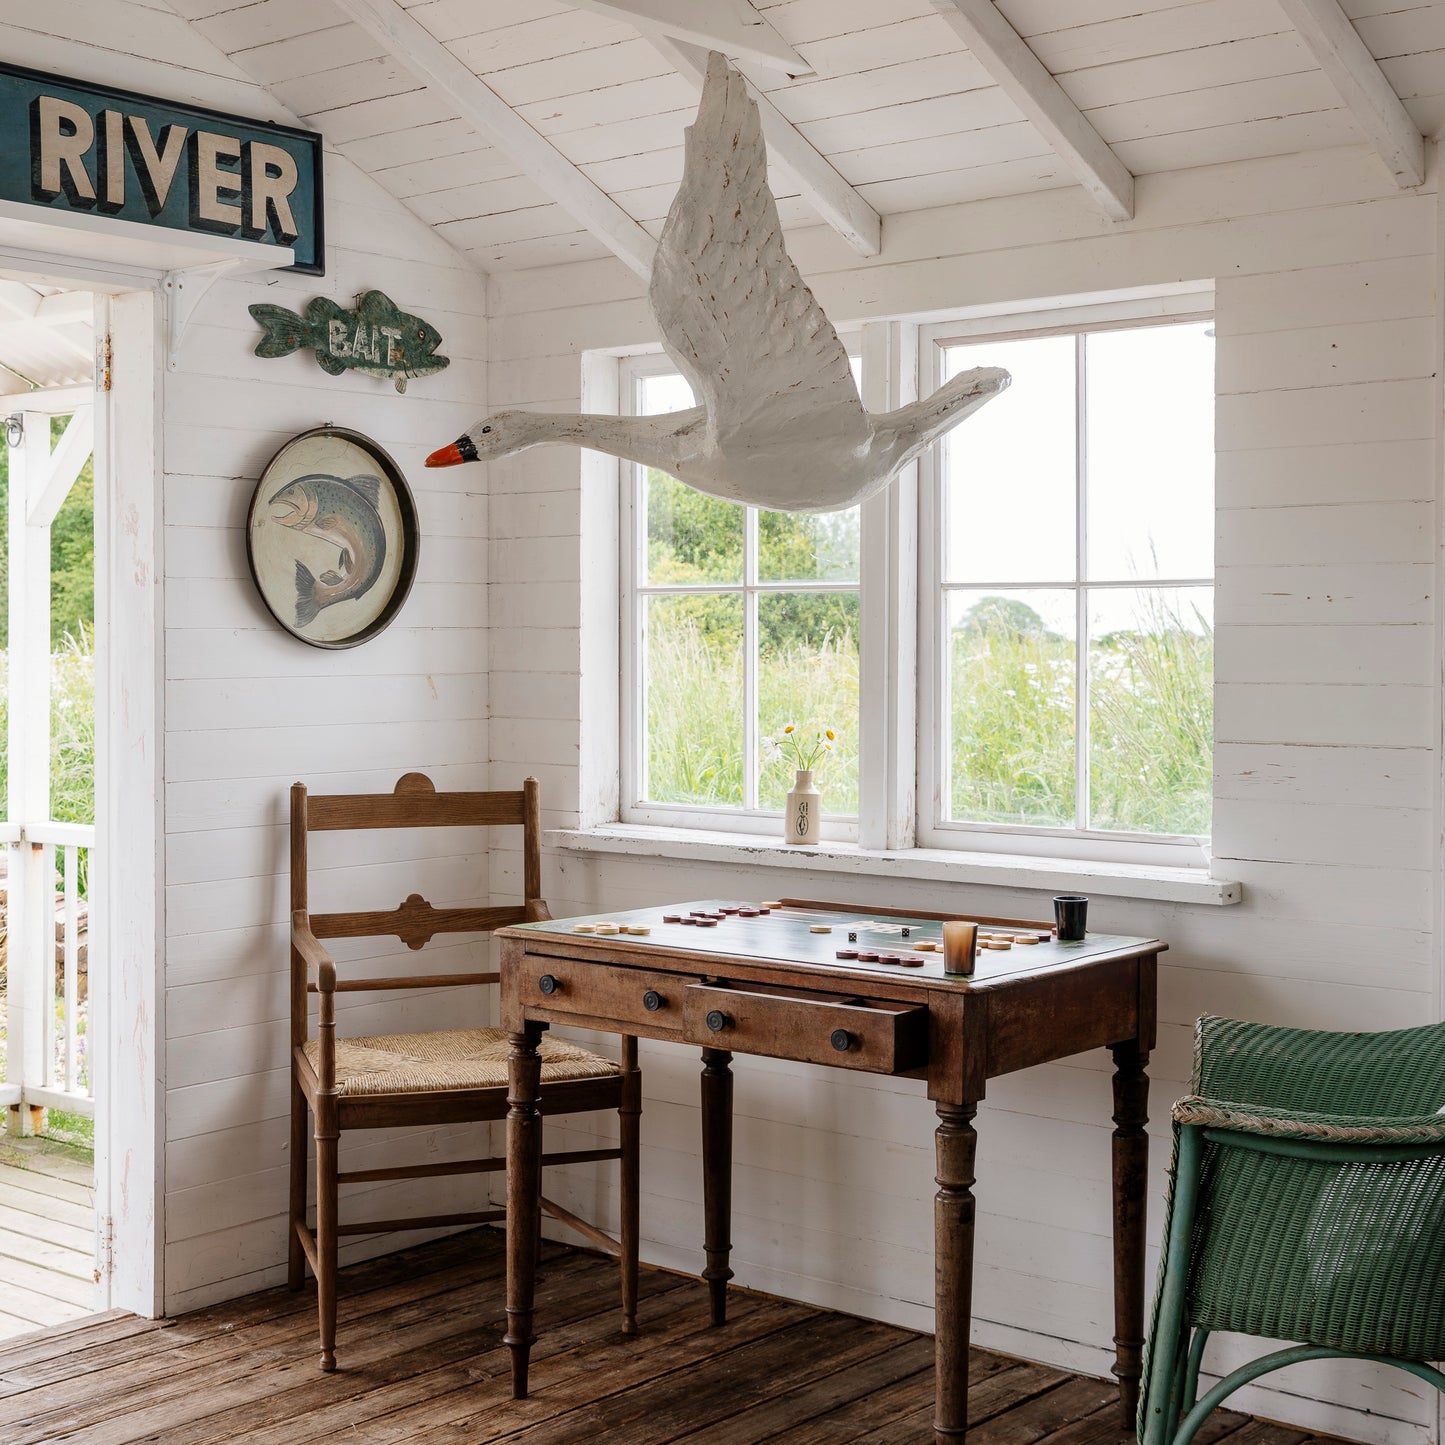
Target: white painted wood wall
x=1329, y=329
x=248, y=710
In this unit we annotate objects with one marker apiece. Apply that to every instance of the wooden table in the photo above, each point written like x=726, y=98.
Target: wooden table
x=771, y=985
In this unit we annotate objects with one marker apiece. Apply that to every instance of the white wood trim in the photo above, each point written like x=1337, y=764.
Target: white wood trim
x=29, y=756
x=66, y=835
x=822, y=187
x=409, y=42
x=65, y=465
x=599, y=665
x=888, y=604
x=127, y=901
x=733, y=26
x=48, y=1098
x=1021, y=75
x=1353, y=71
x=939, y=865
x=23, y=305
x=49, y=401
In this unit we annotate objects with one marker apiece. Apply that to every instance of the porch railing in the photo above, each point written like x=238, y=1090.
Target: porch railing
x=46, y=932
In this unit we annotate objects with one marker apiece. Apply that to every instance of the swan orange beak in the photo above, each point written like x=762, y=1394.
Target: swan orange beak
x=446, y=457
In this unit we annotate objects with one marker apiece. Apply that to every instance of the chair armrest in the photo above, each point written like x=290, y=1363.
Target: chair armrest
x=1303, y=1124
x=309, y=947
x=538, y=912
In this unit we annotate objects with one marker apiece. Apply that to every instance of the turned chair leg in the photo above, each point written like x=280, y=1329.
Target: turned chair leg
x=326, y=1246
x=295, y=1255
x=629, y=1128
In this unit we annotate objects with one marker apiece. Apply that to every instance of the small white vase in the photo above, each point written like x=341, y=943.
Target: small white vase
x=803, y=817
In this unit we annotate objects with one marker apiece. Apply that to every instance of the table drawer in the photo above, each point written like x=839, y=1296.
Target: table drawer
x=879, y=1038
x=601, y=991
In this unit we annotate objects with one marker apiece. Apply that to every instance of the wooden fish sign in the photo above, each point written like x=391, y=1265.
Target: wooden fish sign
x=377, y=338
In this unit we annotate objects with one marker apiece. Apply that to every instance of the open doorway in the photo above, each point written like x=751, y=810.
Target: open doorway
x=48, y=1255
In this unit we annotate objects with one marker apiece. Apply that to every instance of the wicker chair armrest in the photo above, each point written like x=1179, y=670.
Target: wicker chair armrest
x=1301, y=1124
x=309, y=947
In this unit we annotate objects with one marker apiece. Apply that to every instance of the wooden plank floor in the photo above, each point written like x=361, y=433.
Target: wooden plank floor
x=47, y=1236
x=420, y=1360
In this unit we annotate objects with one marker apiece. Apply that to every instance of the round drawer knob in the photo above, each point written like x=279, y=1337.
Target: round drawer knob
x=548, y=984
x=652, y=1000
x=842, y=1040
x=717, y=1020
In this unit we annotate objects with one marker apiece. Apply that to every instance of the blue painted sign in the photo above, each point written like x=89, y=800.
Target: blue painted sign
x=74, y=146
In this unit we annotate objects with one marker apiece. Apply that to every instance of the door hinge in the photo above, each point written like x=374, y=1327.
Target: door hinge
x=102, y=363
x=104, y=1248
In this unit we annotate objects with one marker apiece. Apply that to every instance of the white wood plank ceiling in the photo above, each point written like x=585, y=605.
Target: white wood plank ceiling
x=896, y=105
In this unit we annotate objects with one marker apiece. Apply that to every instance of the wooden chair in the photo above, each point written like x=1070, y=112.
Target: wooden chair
x=426, y=1079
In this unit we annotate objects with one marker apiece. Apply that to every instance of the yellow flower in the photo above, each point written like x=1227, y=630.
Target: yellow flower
x=791, y=727
x=830, y=734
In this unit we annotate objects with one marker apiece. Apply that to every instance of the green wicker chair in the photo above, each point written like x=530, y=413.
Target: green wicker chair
x=1307, y=1202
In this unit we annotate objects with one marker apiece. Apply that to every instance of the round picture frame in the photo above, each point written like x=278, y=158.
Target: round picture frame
x=332, y=538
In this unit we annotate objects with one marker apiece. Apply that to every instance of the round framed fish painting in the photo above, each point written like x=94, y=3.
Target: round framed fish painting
x=332, y=537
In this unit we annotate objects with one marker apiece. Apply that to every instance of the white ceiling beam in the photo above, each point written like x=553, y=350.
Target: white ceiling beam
x=1021, y=75
x=71, y=453
x=1336, y=46
x=416, y=48
x=822, y=187
x=52, y=400
x=733, y=26
x=22, y=304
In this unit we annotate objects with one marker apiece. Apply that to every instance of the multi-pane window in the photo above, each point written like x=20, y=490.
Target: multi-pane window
x=1064, y=626
x=1073, y=606
x=741, y=621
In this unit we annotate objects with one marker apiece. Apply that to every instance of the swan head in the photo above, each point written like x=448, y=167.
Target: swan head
x=498, y=435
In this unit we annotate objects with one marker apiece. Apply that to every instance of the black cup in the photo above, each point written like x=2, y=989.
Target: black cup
x=1070, y=912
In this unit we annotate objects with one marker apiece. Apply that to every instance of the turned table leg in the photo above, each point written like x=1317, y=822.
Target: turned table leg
x=717, y=1175
x=953, y=1211
x=1131, y=1176
x=524, y=1196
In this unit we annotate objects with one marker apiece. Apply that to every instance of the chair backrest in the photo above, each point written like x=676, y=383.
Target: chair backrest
x=413, y=803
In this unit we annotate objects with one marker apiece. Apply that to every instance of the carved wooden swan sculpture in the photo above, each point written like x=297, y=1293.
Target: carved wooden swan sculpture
x=780, y=425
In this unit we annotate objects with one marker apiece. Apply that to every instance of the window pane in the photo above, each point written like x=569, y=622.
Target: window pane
x=808, y=547
x=690, y=537
x=1009, y=470
x=1151, y=726
x=693, y=699
x=668, y=392
x=1150, y=444
x=1011, y=706
x=808, y=675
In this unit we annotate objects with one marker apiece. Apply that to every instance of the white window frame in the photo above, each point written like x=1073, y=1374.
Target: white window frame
x=750, y=818
x=935, y=829
x=900, y=612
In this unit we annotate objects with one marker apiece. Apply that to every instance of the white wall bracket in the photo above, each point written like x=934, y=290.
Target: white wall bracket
x=184, y=290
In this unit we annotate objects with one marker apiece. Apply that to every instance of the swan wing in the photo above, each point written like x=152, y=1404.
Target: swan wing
x=735, y=314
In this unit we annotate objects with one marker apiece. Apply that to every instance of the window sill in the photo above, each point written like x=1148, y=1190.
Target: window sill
x=999, y=870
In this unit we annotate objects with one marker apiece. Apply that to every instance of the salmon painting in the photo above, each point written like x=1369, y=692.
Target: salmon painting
x=344, y=512
x=378, y=338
